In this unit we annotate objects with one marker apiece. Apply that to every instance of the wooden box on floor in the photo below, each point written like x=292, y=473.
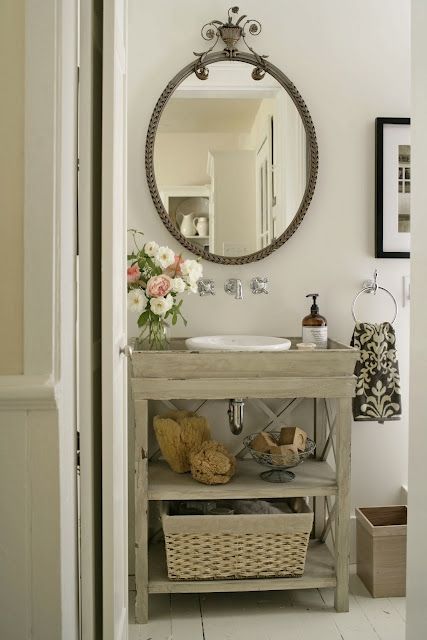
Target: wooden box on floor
x=381, y=550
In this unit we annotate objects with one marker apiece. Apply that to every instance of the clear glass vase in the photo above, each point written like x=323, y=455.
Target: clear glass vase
x=154, y=336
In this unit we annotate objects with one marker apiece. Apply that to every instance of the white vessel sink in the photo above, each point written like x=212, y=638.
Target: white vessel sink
x=237, y=343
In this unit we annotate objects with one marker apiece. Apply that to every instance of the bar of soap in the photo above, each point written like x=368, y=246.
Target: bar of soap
x=293, y=435
x=284, y=454
x=306, y=346
x=263, y=442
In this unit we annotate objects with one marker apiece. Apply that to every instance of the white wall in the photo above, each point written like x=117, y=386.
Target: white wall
x=181, y=159
x=417, y=498
x=12, y=35
x=351, y=63
x=38, y=535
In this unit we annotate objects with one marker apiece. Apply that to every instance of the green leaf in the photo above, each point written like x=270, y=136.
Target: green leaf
x=145, y=262
x=143, y=318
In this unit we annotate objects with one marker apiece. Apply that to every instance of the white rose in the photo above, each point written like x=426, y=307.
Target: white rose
x=192, y=269
x=151, y=249
x=160, y=306
x=136, y=300
x=192, y=286
x=178, y=285
x=169, y=301
x=165, y=257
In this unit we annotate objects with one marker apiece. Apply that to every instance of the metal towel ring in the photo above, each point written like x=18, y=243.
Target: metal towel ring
x=373, y=288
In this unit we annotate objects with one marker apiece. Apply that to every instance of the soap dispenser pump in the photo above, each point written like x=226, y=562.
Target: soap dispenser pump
x=315, y=326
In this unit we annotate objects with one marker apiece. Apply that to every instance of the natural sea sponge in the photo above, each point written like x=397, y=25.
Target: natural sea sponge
x=212, y=464
x=180, y=434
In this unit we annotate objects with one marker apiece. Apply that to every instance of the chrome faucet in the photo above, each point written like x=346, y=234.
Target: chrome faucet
x=206, y=287
x=234, y=287
x=259, y=285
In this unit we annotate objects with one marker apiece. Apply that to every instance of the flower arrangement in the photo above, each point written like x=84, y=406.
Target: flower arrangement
x=156, y=276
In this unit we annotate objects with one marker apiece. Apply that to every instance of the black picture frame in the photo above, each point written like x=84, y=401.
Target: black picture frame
x=379, y=188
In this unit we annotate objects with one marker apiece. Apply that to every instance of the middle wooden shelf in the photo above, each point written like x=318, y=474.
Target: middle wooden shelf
x=312, y=478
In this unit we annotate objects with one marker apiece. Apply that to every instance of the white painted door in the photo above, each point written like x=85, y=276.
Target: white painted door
x=114, y=366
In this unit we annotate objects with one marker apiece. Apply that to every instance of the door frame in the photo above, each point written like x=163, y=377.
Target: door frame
x=114, y=323
x=89, y=320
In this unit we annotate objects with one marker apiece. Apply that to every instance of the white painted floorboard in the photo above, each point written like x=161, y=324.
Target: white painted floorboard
x=271, y=615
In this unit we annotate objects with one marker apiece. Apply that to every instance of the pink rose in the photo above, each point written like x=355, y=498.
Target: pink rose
x=158, y=286
x=133, y=273
x=175, y=269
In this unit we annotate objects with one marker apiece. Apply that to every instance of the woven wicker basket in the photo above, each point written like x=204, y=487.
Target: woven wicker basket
x=237, y=546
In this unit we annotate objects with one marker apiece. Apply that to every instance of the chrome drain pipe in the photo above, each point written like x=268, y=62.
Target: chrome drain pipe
x=235, y=415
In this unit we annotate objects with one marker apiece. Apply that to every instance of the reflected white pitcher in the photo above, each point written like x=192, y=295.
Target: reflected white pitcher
x=186, y=223
x=202, y=225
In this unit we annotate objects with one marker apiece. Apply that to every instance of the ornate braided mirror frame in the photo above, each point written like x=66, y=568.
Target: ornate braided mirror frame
x=312, y=157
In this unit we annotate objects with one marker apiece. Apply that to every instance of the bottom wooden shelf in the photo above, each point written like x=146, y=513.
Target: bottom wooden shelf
x=319, y=572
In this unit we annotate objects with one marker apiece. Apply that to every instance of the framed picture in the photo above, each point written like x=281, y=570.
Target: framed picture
x=392, y=187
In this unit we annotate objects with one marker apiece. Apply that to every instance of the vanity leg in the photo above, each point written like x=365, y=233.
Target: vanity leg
x=141, y=511
x=319, y=433
x=342, y=518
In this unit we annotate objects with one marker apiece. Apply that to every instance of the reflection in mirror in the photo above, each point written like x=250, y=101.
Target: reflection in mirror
x=230, y=160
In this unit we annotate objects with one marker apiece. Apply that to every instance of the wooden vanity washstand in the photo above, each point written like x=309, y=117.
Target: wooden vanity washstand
x=326, y=376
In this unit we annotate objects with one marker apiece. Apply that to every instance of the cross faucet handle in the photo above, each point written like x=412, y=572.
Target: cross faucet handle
x=206, y=287
x=259, y=285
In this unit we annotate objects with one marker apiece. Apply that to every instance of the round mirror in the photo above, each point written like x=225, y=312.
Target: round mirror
x=231, y=161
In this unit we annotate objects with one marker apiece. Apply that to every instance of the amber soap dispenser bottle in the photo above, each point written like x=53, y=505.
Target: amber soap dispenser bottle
x=315, y=326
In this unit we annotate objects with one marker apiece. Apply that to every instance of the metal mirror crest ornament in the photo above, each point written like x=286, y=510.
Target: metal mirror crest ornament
x=231, y=156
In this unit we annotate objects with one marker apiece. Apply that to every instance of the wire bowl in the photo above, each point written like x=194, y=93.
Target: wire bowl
x=278, y=471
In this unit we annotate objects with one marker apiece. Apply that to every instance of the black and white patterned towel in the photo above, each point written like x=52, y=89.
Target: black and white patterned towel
x=377, y=372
